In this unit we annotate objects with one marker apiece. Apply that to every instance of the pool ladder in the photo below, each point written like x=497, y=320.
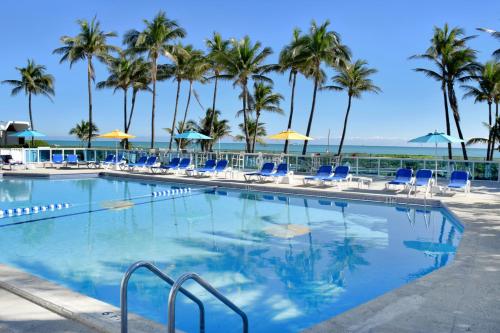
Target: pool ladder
x=176, y=288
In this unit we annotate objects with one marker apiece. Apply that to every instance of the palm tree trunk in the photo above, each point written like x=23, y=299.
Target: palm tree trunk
x=447, y=117
x=495, y=131
x=183, y=124
x=132, y=107
x=31, y=117
x=245, y=120
x=89, y=87
x=213, y=106
x=175, y=114
x=254, y=139
x=309, y=123
x=488, y=150
x=456, y=115
x=294, y=79
x=125, y=141
x=345, y=125
x=153, y=108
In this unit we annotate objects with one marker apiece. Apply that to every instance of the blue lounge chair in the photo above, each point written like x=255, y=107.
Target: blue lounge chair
x=71, y=159
x=150, y=163
x=139, y=163
x=403, y=177
x=323, y=172
x=174, y=163
x=220, y=167
x=184, y=164
x=107, y=161
x=423, y=178
x=209, y=166
x=340, y=175
x=57, y=159
x=459, y=180
x=281, y=171
x=267, y=169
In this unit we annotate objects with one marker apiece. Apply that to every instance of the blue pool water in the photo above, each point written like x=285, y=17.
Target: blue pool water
x=288, y=261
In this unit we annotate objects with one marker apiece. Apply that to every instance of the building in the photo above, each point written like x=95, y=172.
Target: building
x=7, y=128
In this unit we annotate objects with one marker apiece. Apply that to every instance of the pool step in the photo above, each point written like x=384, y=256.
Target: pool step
x=176, y=287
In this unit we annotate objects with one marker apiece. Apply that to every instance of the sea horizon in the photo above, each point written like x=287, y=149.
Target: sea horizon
x=296, y=148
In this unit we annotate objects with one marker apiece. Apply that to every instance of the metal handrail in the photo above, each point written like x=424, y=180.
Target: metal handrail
x=177, y=286
x=152, y=268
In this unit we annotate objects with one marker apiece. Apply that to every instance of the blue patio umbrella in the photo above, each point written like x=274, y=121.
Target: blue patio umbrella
x=436, y=137
x=27, y=134
x=192, y=135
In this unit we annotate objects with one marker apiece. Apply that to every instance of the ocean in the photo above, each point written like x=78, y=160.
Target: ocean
x=296, y=148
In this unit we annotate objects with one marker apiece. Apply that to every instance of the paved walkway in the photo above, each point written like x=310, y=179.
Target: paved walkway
x=19, y=315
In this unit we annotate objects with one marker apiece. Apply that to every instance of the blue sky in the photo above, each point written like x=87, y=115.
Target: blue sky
x=385, y=33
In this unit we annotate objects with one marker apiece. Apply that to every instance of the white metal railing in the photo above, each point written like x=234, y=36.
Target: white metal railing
x=360, y=165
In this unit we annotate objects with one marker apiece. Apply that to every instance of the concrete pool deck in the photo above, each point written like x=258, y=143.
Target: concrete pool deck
x=464, y=296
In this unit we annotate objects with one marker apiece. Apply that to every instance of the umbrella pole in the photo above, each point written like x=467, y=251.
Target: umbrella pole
x=436, y=153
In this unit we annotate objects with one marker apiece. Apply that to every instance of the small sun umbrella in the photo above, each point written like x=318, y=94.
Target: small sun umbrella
x=116, y=134
x=289, y=135
x=192, y=135
x=436, y=138
x=28, y=133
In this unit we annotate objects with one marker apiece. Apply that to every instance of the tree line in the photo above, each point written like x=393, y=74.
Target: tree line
x=157, y=53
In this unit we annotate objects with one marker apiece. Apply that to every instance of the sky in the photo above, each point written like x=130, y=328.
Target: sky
x=384, y=33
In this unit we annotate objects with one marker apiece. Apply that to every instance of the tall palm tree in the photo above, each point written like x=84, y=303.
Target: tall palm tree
x=243, y=62
x=447, y=46
x=82, y=130
x=263, y=99
x=34, y=81
x=217, y=47
x=91, y=42
x=140, y=80
x=155, y=40
x=291, y=58
x=120, y=78
x=179, y=55
x=321, y=46
x=354, y=79
x=213, y=125
x=195, y=70
x=488, y=80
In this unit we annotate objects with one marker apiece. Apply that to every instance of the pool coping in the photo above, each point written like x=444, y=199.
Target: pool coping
x=405, y=309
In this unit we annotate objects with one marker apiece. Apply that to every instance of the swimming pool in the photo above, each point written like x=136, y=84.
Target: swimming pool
x=288, y=261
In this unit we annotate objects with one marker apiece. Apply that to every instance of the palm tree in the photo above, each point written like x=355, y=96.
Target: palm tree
x=82, y=130
x=179, y=55
x=120, y=78
x=245, y=61
x=293, y=60
x=33, y=81
x=320, y=46
x=140, y=78
x=255, y=132
x=459, y=66
x=90, y=43
x=217, y=47
x=263, y=99
x=210, y=124
x=195, y=70
x=447, y=46
x=353, y=78
x=154, y=40
x=488, y=79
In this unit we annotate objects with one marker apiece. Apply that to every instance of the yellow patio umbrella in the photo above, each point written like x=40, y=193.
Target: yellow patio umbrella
x=289, y=135
x=116, y=134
